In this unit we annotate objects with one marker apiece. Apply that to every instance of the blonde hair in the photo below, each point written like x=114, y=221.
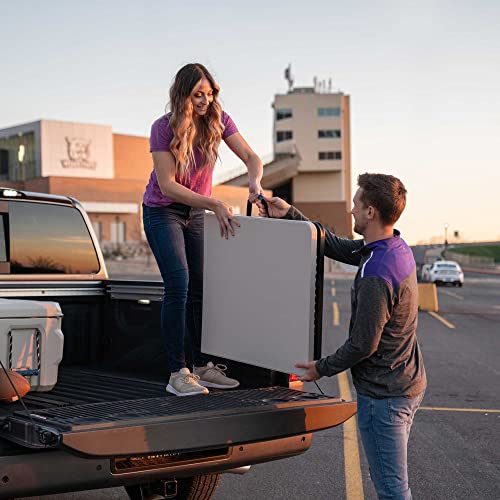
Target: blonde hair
x=209, y=129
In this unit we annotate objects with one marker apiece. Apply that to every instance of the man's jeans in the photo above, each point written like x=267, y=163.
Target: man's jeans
x=384, y=425
x=175, y=235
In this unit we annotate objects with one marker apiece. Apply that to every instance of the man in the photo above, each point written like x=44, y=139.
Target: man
x=382, y=349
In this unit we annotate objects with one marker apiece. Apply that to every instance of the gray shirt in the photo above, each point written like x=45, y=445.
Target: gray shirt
x=382, y=350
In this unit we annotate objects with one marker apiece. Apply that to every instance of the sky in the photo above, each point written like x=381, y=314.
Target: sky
x=423, y=77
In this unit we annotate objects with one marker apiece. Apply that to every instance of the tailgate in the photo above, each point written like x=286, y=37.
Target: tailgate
x=140, y=426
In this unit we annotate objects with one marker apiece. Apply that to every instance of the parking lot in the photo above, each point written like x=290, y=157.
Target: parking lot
x=454, y=452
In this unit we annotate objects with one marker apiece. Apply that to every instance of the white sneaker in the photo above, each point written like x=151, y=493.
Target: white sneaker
x=185, y=383
x=214, y=376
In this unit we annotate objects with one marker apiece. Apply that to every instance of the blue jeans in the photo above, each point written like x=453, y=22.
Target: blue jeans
x=384, y=426
x=175, y=235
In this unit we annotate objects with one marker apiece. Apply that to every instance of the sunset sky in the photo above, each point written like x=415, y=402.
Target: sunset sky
x=423, y=78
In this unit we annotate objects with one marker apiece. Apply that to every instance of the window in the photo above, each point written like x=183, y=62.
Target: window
x=328, y=111
x=4, y=164
x=282, y=114
x=284, y=135
x=49, y=239
x=330, y=155
x=329, y=134
x=11, y=167
x=118, y=232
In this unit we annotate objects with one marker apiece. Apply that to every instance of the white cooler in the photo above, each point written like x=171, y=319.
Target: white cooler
x=31, y=340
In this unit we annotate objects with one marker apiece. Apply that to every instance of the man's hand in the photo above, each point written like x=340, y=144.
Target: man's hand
x=311, y=374
x=276, y=207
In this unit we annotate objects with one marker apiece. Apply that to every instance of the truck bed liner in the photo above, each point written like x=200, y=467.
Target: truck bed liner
x=81, y=386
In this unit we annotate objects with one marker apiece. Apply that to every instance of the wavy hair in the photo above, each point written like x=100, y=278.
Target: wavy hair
x=208, y=130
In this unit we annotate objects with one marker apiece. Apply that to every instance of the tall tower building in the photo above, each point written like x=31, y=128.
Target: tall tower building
x=313, y=124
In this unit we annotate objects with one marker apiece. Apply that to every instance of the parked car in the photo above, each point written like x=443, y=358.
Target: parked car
x=443, y=272
x=425, y=272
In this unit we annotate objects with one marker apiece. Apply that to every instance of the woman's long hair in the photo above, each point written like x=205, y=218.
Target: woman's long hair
x=209, y=130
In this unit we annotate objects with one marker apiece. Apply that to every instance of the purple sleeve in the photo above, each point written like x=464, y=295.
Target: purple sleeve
x=230, y=127
x=161, y=135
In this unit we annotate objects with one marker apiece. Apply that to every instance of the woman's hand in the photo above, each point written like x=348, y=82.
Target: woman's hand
x=276, y=208
x=224, y=214
x=254, y=189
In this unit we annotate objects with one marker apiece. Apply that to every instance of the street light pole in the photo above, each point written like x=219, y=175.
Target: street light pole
x=20, y=157
x=446, y=226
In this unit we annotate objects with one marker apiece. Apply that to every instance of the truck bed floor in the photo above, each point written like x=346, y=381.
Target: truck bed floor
x=81, y=386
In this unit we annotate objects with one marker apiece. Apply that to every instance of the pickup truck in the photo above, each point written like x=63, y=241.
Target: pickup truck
x=108, y=421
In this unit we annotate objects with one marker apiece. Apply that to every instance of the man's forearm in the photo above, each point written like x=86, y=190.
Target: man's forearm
x=295, y=214
x=344, y=358
x=340, y=249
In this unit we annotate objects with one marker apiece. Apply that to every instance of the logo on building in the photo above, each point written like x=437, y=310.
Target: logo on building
x=78, y=154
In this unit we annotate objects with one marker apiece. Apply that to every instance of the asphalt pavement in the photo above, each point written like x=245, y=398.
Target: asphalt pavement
x=453, y=452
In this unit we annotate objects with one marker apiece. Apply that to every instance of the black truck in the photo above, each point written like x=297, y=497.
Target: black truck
x=108, y=421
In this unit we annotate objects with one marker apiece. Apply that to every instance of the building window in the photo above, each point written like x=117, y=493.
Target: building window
x=282, y=114
x=328, y=111
x=15, y=166
x=330, y=155
x=4, y=164
x=284, y=135
x=118, y=232
x=329, y=134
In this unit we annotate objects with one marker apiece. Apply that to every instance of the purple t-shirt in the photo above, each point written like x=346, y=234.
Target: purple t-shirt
x=200, y=179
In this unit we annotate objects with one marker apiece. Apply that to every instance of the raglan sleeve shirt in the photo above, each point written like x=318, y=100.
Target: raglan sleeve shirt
x=373, y=310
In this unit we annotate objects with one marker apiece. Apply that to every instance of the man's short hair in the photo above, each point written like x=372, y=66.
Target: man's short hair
x=386, y=193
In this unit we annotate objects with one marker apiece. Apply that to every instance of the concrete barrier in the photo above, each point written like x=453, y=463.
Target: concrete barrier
x=427, y=297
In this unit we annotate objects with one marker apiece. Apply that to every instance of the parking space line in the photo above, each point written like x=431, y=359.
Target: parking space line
x=334, y=292
x=352, y=465
x=439, y=318
x=473, y=410
x=336, y=314
x=451, y=294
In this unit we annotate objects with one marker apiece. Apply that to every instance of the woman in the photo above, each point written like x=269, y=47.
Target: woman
x=184, y=144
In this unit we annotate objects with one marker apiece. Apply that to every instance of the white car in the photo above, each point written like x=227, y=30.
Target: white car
x=424, y=273
x=446, y=271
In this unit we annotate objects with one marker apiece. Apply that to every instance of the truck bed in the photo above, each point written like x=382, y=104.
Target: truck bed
x=82, y=386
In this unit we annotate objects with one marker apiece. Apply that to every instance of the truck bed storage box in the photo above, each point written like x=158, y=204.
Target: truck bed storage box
x=31, y=340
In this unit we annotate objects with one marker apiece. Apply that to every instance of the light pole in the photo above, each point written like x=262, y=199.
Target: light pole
x=20, y=157
x=446, y=226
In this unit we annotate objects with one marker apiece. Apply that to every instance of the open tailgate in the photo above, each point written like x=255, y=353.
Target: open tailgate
x=129, y=427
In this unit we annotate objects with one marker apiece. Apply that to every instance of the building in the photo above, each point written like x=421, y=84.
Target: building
x=106, y=172
x=312, y=155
